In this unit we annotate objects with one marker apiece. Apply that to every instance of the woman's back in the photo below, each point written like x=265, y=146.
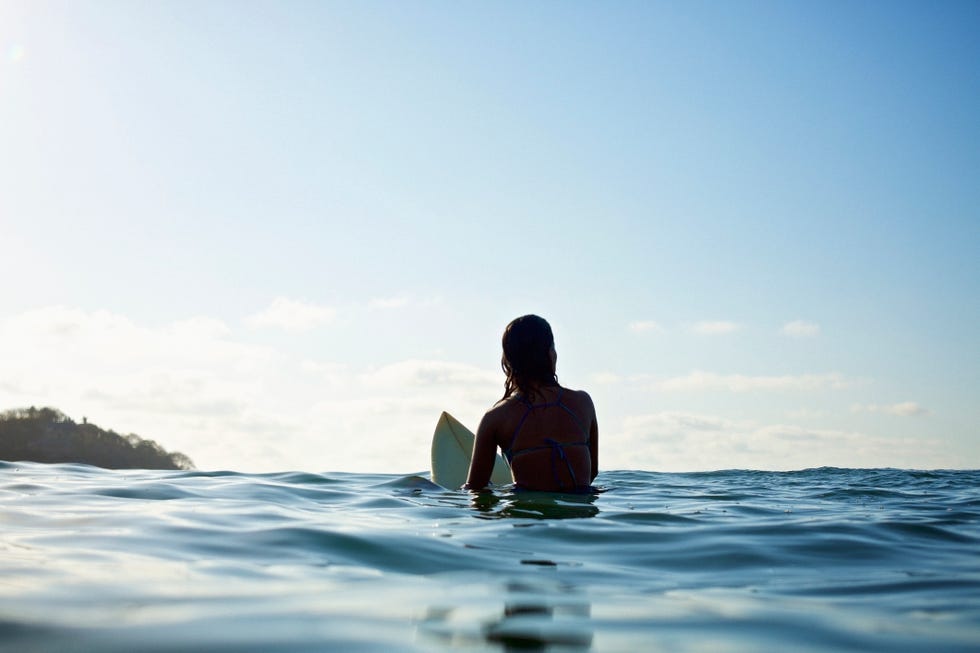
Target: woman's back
x=548, y=442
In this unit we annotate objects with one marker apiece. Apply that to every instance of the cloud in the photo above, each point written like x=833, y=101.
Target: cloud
x=903, y=409
x=427, y=373
x=699, y=381
x=187, y=384
x=193, y=386
x=801, y=329
x=607, y=378
x=715, y=328
x=804, y=413
x=644, y=326
x=16, y=53
x=291, y=315
x=200, y=327
x=679, y=441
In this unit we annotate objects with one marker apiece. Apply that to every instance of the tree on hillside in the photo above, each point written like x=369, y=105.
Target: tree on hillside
x=47, y=435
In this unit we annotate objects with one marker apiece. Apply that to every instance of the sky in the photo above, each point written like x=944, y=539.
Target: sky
x=288, y=235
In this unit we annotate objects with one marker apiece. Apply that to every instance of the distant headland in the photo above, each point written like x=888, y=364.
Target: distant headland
x=46, y=435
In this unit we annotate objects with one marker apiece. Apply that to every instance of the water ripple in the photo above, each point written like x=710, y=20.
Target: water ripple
x=817, y=560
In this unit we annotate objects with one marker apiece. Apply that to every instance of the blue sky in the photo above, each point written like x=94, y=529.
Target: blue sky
x=287, y=235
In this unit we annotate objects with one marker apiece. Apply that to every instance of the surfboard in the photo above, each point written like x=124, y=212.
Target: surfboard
x=452, y=448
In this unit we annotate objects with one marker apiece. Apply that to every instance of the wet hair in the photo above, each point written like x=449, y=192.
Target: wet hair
x=526, y=361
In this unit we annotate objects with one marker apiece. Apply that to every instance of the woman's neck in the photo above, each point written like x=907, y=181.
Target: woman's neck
x=532, y=390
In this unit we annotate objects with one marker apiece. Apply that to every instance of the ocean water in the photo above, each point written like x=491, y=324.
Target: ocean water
x=816, y=560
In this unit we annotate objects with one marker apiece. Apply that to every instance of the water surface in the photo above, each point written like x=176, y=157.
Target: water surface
x=817, y=560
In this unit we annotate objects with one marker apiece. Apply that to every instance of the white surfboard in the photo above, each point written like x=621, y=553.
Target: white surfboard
x=452, y=449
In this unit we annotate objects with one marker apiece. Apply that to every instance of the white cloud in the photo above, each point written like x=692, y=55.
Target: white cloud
x=607, y=378
x=16, y=53
x=902, y=409
x=801, y=329
x=677, y=441
x=427, y=373
x=292, y=315
x=804, y=414
x=201, y=326
x=194, y=386
x=399, y=301
x=644, y=326
x=698, y=381
x=228, y=404
x=715, y=328
x=186, y=384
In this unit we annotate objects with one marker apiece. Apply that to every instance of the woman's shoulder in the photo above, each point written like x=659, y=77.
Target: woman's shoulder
x=580, y=402
x=577, y=395
x=501, y=416
x=505, y=405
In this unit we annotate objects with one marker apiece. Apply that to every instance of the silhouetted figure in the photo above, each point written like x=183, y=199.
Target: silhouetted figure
x=546, y=432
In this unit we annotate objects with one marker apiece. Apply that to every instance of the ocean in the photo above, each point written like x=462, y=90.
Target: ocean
x=815, y=560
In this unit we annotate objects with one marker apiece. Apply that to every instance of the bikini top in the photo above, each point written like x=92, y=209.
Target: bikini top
x=557, y=448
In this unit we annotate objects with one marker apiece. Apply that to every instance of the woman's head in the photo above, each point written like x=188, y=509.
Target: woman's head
x=529, y=355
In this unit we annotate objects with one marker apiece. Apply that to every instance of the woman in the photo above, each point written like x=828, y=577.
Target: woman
x=546, y=432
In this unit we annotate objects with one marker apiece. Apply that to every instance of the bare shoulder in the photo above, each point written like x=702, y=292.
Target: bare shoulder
x=585, y=396
x=581, y=398
x=499, y=411
x=497, y=421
